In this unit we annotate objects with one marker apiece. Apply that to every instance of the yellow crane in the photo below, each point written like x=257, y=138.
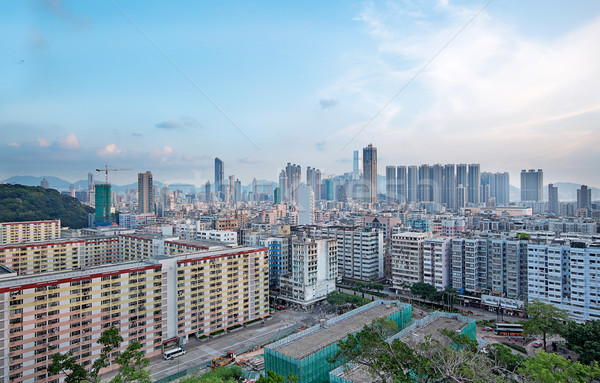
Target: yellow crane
x=106, y=170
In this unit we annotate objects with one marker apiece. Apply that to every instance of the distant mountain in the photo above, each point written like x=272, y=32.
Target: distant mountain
x=55, y=182
x=33, y=203
x=63, y=185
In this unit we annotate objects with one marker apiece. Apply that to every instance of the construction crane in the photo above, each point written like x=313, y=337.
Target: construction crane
x=106, y=170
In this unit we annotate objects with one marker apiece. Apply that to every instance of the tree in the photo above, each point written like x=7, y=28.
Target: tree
x=423, y=290
x=553, y=368
x=584, y=339
x=132, y=362
x=229, y=374
x=337, y=298
x=545, y=319
x=132, y=365
x=455, y=360
x=273, y=377
x=504, y=357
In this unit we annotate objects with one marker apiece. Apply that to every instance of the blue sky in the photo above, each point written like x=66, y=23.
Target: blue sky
x=518, y=87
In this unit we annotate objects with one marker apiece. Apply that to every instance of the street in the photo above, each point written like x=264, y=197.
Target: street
x=282, y=323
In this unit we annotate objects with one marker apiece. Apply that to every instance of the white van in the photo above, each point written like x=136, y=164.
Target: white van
x=173, y=353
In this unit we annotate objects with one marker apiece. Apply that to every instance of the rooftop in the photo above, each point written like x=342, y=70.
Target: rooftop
x=431, y=329
x=332, y=331
x=59, y=276
x=416, y=333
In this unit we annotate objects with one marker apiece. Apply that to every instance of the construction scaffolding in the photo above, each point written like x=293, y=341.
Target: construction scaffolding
x=305, y=354
x=417, y=332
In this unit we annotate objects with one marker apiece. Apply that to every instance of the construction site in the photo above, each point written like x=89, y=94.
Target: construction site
x=426, y=328
x=304, y=354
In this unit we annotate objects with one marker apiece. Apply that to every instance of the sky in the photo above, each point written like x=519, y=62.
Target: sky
x=169, y=86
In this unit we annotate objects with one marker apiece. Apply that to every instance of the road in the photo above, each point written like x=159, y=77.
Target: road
x=478, y=314
x=198, y=352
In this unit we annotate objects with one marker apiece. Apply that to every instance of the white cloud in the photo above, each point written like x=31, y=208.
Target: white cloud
x=162, y=154
x=43, y=142
x=493, y=94
x=68, y=142
x=109, y=150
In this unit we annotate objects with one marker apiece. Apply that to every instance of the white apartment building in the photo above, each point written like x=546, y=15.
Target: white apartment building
x=407, y=258
x=225, y=236
x=306, y=206
x=437, y=259
x=494, y=263
x=566, y=274
x=314, y=271
x=360, y=251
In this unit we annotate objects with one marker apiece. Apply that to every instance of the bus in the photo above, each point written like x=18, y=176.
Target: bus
x=509, y=329
x=173, y=353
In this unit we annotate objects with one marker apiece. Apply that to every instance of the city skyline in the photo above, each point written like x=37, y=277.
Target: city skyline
x=302, y=83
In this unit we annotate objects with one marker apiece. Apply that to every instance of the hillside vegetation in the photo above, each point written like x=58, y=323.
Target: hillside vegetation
x=33, y=203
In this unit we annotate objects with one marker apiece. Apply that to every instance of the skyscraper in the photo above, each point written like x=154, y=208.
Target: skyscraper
x=532, y=183
x=313, y=179
x=231, y=188
x=237, y=191
x=283, y=184
x=424, y=185
x=461, y=175
x=461, y=194
x=553, y=206
x=90, y=181
x=584, y=197
x=207, y=193
x=102, y=200
x=370, y=173
x=357, y=163
x=329, y=189
x=145, y=193
x=449, y=190
x=411, y=182
x=473, y=183
x=437, y=178
x=219, y=177
x=390, y=184
x=502, y=188
x=401, y=184
x=306, y=206
x=294, y=178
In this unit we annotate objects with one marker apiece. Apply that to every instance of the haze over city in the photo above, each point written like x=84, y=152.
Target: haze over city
x=168, y=87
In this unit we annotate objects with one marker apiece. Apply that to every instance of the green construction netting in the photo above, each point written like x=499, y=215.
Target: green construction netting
x=315, y=368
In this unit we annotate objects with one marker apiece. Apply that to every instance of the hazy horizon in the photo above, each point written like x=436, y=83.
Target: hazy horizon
x=167, y=87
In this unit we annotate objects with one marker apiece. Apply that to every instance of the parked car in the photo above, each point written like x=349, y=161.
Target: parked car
x=538, y=344
x=487, y=328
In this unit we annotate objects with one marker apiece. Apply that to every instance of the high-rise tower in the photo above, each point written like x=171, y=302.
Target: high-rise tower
x=553, y=206
x=473, y=183
x=219, y=177
x=411, y=182
x=102, y=200
x=584, y=197
x=370, y=173
x=532, y=183
x=145, y=193
x=391, y=184
x=449, y=189
x=401, y=184
x=357, y=165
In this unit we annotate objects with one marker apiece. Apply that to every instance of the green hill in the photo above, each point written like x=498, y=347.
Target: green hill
x=33, y=203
